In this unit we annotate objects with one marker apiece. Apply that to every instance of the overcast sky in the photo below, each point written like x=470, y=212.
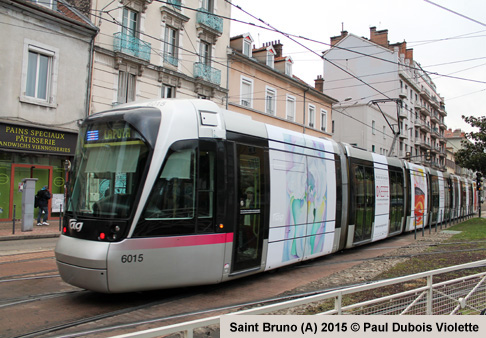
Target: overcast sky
x=443, y=42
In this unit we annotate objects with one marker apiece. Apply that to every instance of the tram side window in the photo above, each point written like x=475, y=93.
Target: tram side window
x=182, y=198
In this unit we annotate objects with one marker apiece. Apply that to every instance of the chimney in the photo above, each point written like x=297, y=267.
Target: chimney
x=319, y=83
x=409, y=55
x=336, y=39
x=379, y=37
x=84, y=6
x=278, y=48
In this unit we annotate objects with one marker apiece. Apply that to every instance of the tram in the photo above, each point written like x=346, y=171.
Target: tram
x=172, y=193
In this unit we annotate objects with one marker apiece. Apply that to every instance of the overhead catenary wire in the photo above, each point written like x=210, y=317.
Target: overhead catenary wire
x=220, y=63
x=195, y=53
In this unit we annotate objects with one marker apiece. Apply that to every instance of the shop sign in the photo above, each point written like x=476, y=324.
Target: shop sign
x=28, y=139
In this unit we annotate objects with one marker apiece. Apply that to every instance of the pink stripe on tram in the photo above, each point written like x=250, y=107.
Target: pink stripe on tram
x=175, y=242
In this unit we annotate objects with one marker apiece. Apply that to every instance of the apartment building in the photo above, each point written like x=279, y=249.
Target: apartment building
x=45, y=58
x=158, y=49
x=263, y=86
x=387, y=103
x=454, y=140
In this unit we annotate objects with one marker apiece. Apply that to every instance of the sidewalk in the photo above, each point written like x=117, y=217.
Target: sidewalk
x=45, y=231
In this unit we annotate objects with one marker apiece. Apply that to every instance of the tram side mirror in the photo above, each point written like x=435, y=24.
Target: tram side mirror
x=408, y=156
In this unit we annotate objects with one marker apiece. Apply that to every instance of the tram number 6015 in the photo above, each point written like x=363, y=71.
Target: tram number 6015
x=132, y=258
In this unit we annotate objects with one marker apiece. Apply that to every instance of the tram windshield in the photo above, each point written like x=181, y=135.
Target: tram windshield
x=108, y=166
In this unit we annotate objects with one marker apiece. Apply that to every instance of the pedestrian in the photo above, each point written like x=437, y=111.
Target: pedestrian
x=43, y=196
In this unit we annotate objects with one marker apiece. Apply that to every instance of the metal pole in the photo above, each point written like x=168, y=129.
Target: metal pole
x=60, y=221
x=479, y=200
x=442, y=214
x=429, y=295
x=438, y=218
x=415, y=226
x=13, y=220
x=424, y=217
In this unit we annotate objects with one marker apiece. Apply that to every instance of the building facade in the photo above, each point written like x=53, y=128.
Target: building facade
x=387, y=103
x=261, y=85
x=148, y=49
x=45, y=58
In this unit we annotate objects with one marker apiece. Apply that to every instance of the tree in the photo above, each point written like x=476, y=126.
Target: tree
x=473, y=154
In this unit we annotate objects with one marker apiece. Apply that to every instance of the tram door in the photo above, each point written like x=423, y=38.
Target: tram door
x=364, y=201
x=248, y=240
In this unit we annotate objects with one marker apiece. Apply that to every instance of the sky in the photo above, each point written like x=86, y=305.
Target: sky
x=447, y=40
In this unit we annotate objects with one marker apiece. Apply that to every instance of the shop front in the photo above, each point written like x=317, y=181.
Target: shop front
x=29, y=152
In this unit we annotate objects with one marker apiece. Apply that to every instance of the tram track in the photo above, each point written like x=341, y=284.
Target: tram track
x=99, y=315
x=101, y=319
x=109, y=315
x=179, y=317
x=385, y=257
x=29, y=276
x=22, y=300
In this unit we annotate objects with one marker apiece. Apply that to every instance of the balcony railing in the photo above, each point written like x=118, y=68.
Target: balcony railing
x=207, y=73
x=131, y=45
x=175, y=3
x=207, y=19
x=171, y=59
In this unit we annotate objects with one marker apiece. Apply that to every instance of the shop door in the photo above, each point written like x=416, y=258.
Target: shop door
x=21, y=171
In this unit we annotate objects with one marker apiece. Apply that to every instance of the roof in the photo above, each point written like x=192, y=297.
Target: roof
x=71, y=12
x=246, y=36
x=62, y=10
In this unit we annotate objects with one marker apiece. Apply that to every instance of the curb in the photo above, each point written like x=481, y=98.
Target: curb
x=21, y=237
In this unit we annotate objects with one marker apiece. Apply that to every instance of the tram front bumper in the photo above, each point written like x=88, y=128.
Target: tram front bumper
x=82, y=263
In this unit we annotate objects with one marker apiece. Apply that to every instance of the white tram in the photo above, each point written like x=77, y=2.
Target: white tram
x=172, y=193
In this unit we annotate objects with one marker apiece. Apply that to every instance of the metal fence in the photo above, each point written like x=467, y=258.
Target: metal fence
x=456, y=290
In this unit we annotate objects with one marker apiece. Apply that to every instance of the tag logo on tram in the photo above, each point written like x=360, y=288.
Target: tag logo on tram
x=75, y=225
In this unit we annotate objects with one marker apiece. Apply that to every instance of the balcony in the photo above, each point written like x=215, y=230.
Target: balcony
x=425, y=93
x=132, y=46
x=208, y=21
x=207, y=73
x=434, y=117
x=424, y=111
x=402, y=93
x=171, y=59
x=403, y=113
x=425, y=144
